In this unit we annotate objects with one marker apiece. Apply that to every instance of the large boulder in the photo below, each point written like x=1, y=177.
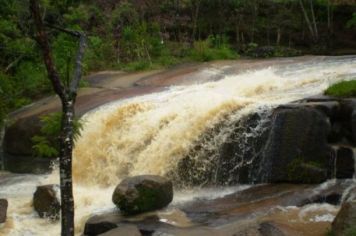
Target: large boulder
x=18, y=151
x=3, y=210
x=46, y=201
x=344, y=222
x=18, y=135
x=297, y=150
x=142, y=194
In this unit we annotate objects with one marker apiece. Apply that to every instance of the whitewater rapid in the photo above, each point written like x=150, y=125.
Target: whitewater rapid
x=150, y=134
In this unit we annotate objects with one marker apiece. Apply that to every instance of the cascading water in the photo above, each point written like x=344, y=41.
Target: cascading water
x=153, y=134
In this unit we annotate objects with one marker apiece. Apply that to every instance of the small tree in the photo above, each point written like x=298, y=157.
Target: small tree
x=67, y=93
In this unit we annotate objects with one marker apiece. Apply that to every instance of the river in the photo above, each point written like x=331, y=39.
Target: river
x=150, y=134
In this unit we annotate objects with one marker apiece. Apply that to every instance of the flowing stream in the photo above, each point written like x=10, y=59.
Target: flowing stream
x=151, y=134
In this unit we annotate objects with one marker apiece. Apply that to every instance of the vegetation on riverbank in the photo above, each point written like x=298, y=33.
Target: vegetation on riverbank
x=137, y=35
x=342, y=89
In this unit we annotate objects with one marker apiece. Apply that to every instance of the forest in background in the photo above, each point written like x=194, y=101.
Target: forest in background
x=143, y=34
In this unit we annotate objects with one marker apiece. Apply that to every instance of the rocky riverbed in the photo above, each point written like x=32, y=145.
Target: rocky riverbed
x=249, y=147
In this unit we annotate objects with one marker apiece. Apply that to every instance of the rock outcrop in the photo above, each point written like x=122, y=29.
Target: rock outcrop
x=308, y=141
x=344, y=223
x=46, y=201
x=142, y=194
x=297, y=149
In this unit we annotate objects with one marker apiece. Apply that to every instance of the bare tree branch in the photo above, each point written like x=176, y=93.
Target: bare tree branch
x=78, y=65
x=70, y=32
x=42, y=40
x=79, y=58
x=14, y=63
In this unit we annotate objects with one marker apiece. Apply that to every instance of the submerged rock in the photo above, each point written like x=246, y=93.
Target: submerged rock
x=46, y=201
x=142, y=194
x=3, y=210
x=344, y=223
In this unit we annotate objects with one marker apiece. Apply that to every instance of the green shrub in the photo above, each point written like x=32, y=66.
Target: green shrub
x=342, y=89
x=46, y=144
x=214, y=48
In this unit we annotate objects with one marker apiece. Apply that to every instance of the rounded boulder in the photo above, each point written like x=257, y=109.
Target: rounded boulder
x=142, y=193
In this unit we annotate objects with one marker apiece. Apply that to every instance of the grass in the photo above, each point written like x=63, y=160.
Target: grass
x=342, y=89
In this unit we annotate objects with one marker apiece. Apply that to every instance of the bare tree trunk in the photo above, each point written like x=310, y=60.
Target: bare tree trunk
x=314, y=20
x=307, y=20
x=329, y=15
x=67, y=94
x=278, y=40
x=195, y=19
x=237, y=29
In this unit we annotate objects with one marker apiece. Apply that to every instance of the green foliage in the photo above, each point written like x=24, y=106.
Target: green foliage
x=143, y=35
x=46, y=144
x=342, y=89
x=352, y=22
x=214, y=48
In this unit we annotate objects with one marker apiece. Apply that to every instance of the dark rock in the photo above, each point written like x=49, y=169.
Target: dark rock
x=336, y=133
x=301, y=172
x=329, y=108
x=27, y=164
x=3, y=210
x=125, y=230
x=297, y=142
x=18, y=135
x=147, y=223
x=345, y=166
x=102, y=223
x=319, y=98
x=18, y=151
x=235, y=161
x=143, y=193
x=344, y=222
x=353, y=126
x=270, y=229
x=46, y=201
x=348, y=106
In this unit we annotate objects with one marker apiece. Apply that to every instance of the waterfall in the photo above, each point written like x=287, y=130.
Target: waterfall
x=153, y=134
x=163, y=133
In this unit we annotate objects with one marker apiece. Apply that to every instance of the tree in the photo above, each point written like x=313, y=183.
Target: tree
x=67, y=93
x=311, y=23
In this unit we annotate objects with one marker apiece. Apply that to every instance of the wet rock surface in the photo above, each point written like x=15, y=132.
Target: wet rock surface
x=297, y=148
x=46, y=201
x=345, y=166
x=244, y=212
x=3, y=210
x=142, y=194
x=344, y=223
